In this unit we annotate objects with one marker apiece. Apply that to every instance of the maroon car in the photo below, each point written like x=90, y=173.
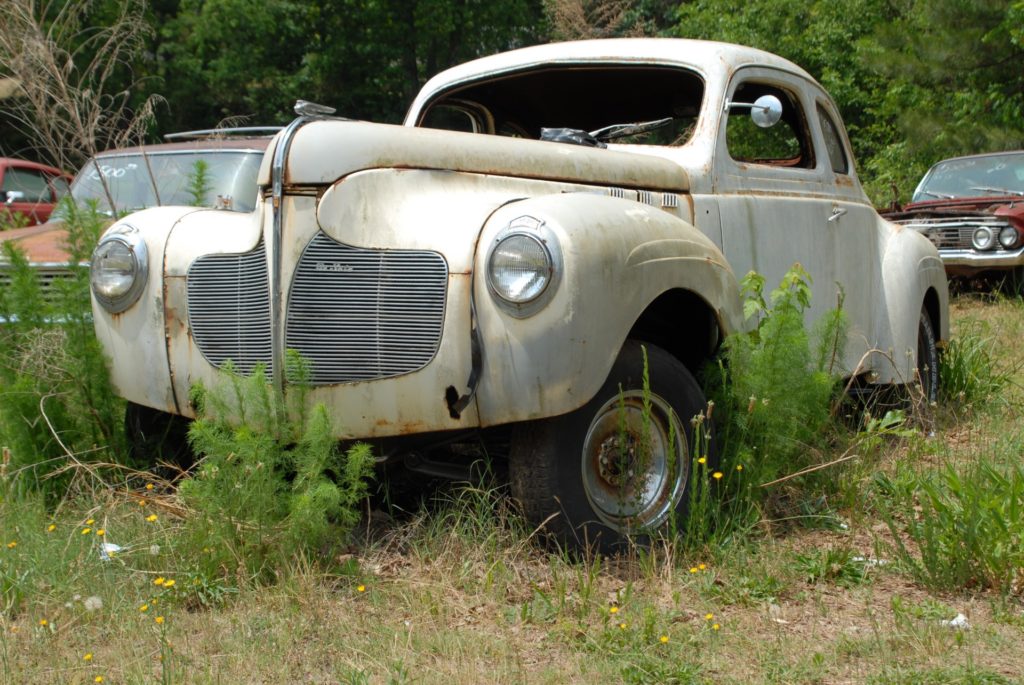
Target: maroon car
x=29, y=191
x=972, y=209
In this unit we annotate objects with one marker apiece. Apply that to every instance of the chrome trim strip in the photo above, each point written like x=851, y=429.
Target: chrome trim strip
x=277, y=196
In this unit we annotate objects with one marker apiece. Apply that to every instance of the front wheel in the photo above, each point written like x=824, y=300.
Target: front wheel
x=618, y=467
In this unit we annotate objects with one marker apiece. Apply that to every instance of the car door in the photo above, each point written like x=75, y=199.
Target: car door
x=778, y=202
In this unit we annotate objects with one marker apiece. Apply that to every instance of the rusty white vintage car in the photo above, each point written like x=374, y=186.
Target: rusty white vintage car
x=483, y=279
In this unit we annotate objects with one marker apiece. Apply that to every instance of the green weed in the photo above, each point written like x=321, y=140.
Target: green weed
x=964, y=526
x=56, y=400
x=199, y=183
x=841, y=567
x=271, y=484
x=773, y=391
x=969, y=368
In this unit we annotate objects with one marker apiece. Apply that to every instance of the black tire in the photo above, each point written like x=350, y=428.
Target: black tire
x=927, y=359
x=574, y=474
x=157, y=438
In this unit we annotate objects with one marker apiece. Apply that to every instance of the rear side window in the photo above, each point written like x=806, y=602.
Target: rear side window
x=833, y=143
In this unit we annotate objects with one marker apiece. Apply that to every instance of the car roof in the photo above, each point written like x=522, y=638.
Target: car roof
x=25, y=164
x=709, y=58
x=979, y=156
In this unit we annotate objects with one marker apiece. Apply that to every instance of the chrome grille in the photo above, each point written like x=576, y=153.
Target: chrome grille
x=955, y=233
x=359, y=314
x=229, y=309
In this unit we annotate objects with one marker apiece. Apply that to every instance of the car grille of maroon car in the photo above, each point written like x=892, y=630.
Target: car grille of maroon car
x=955, y=233
x=353, y=314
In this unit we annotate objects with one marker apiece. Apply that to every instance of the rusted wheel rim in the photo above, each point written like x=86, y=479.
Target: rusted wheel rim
x=634, y=484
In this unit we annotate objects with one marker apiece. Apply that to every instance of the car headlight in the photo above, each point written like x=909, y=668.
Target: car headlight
x=1008, y=237
x=119, y=269
x=983, y=238
x=523, y=266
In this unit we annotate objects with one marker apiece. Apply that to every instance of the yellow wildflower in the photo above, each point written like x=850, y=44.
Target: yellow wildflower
x=613, y=610
x=87, y=657
x=622, y=626
x=86, y=531
x=101, y=532
x=701, y=566
x=702, y=460
x=708, y=616
x=149, y=486
x=144, y=608
x=98, y=679
x=168, y=583
x=12, y=544
x=715, y=627
x=159, y=620
x=43, y=622
x=361, y=588
x=142, y=502
x=159, y=581
x=151, y=518
x=739, y=467
x=716, y=475
x=663, y=639
x=90, y=522
x=52, y=527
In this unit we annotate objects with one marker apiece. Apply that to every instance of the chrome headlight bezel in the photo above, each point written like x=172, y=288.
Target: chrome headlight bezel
x=983, y=239
x=536, y=234
x=128, y=238
x=1009, y=237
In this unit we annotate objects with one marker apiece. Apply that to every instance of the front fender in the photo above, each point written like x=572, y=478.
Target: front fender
x=618, y=256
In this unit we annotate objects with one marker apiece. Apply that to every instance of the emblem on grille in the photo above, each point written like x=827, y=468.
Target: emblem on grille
x=334, y=267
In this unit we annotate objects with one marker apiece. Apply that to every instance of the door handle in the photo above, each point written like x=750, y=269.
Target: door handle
x=836, y=213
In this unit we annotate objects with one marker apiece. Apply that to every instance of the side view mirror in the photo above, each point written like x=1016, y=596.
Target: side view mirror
x=13, y=196
x=765, y=112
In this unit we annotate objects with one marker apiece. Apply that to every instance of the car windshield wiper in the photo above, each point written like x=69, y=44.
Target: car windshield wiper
x=943, y=196
x=616, y=131
x=1004, y=191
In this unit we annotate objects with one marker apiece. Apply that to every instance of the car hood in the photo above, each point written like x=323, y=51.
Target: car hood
x=42, y=244
x=1012, y=209
x=324, y=151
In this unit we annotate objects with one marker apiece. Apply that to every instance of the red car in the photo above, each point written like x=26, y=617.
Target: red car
x=30, y=191
x=972, y=209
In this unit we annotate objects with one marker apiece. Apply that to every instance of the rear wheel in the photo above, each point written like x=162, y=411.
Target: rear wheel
x=618, y=467
x=927, y=358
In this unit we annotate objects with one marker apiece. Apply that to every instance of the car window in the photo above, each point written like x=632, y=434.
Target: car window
x=785, y=144
x=137, y=181
x=833, y=143
x=29, y=182
x=581, y=97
